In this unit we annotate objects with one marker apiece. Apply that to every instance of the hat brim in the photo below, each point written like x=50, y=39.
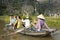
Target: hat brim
x=41, y=16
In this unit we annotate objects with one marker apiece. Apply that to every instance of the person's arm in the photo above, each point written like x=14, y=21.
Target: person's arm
x=38, y=25
x=46, y=25
x=33, y=24
x=23, y=20
x=15, y=23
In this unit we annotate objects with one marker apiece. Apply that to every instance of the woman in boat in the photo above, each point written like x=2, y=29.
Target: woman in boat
x=18, y=23
x=12, y=21
x=41, y=22
x=27, y=22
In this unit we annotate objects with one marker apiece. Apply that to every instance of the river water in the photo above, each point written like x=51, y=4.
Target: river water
x=56, y=35
x=53, y=36
x=24, y=37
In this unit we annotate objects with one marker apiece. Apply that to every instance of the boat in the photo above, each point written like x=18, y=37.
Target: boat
x=44, y=32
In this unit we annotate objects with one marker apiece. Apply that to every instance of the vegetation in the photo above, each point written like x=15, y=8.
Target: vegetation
x=53, y=22
x=17, y=7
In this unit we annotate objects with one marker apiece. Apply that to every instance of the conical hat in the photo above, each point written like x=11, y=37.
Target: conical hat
x=41, y=16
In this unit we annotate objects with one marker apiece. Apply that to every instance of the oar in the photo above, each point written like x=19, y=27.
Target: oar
x=15, y=32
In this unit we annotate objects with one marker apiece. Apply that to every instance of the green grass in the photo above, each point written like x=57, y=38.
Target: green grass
x=4, y=18
x=53, y=22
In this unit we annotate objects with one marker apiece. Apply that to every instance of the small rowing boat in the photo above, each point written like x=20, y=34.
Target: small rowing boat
x=44, y=32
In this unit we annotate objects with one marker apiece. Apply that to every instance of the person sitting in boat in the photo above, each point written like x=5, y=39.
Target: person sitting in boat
x=18, y=23
x=41, y=22
x=33, y=28
x=27, y=22
x=12, y=21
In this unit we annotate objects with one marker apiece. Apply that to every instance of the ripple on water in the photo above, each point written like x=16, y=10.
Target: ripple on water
x=56, y=35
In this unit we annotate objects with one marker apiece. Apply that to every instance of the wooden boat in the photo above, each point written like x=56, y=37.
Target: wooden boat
x=44, y=32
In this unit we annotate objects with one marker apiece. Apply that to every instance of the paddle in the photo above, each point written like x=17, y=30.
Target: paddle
x=15, y=32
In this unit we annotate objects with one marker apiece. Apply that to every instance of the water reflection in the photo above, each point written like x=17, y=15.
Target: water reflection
x=56, y=35
x=36, y=38
x=24, y=37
